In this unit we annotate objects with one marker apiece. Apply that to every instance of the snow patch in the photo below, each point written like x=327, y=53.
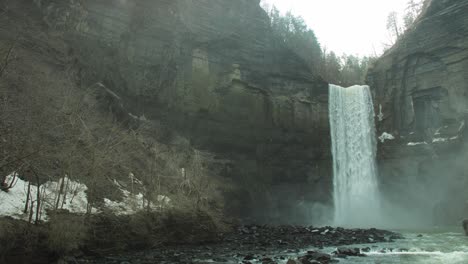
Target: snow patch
x=133, y=203
x=380, y=116
x=461, y=127
x=416, y=143
x=386, y=136
x=13, y=202
x=73, y=198
x=438, y=140
x=434, y=140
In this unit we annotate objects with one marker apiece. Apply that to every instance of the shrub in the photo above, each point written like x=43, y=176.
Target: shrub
x=66, y=233
x=20, y=240
x=8, y=237
x=145, y=229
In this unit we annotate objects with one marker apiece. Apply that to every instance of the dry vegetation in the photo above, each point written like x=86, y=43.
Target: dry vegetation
x=66, y=233
x=51, y=128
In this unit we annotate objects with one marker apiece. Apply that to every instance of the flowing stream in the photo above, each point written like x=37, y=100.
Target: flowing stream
x=356, y=194
x=446, y=245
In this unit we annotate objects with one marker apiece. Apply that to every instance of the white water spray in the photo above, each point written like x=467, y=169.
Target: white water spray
x=355, y=193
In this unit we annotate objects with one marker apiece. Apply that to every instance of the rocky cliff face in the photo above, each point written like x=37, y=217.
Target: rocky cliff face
x=209, y=70
x=421, y=87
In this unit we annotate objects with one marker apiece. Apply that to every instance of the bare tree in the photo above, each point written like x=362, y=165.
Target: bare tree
x=393, y=26
x=413, y=9
x=6, y=59
x=396, y=27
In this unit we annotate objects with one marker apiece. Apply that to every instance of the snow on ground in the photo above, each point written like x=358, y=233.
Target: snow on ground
x=461, y=127
x=436, y=140
x=380, y=116
x=386, y=136
x=133, y=203
x=416, y=143
x=13, y=202
x=73, y=198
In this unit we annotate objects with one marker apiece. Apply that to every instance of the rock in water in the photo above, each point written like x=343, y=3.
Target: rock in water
x=465, y=226
x=349, y=252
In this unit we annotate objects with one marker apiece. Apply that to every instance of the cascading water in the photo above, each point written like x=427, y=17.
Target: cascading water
x=355, y=193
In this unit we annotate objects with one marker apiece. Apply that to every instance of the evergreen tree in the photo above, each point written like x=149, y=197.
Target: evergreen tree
x=292, y=32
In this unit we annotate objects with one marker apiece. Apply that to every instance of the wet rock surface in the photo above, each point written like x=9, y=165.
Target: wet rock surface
x=260, y=244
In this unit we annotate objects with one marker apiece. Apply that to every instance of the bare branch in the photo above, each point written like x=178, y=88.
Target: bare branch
x=38, y=198
x=20, y=159
x=3, y=10
x=6, y=60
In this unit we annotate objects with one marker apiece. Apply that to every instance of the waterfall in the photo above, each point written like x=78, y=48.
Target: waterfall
x=355, y=186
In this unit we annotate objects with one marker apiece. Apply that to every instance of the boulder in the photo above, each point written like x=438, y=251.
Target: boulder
x=465, y=226
x=349, y=252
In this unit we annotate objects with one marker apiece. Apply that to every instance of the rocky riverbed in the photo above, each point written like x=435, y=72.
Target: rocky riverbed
x=259, y=244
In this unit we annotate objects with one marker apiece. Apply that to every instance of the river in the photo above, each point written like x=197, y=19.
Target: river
x=432, y=246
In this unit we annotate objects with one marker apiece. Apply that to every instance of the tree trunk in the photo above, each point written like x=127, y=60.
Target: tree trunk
x=27, y=198
x=60, y=190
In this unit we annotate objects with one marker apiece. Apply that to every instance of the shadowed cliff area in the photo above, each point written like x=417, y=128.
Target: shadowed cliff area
x=420, y=87
x=211, y=71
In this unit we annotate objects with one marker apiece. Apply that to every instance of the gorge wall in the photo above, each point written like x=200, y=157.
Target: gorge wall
x=421, y=89
x=211, y=71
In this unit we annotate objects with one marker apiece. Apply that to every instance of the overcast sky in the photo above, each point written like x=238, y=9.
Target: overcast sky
x=349, y=26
